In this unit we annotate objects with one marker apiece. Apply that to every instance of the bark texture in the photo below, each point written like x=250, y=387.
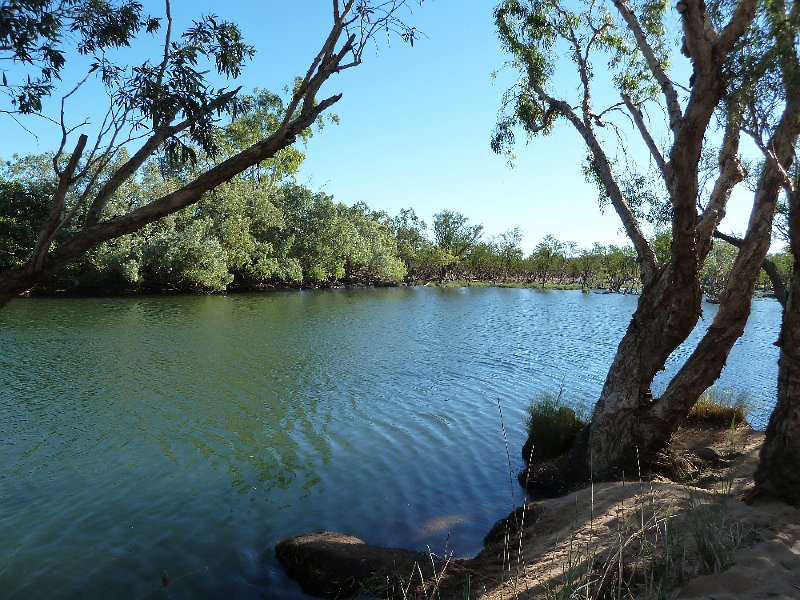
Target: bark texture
x=622, y=433
x=778, y=472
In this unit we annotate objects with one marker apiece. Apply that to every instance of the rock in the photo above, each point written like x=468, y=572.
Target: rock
x=336, y=565
x=707, y=454
x=510, y=527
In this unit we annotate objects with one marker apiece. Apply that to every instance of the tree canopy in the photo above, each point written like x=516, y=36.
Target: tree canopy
x=165, y=107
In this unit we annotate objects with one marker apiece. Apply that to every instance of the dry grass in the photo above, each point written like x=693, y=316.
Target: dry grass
x=719, y=408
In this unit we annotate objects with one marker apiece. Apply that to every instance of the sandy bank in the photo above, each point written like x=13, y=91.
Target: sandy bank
x=643, y=539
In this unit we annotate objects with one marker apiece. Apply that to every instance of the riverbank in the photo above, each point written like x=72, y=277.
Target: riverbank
x=645, y=539
x=114, y=292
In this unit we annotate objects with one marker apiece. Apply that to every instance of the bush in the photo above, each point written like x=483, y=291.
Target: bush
x=552, y=428
x=719, y=408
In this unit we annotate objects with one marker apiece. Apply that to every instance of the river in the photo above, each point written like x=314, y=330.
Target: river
x=189, y=434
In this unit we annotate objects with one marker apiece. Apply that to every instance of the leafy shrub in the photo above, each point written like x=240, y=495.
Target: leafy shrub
x=552, y=428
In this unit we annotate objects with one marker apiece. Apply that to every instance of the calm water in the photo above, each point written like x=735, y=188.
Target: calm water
x=190, y=434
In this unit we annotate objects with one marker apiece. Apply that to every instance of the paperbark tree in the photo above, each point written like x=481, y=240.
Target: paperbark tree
x=165, y=108
x=777, y=474
x=628, y=425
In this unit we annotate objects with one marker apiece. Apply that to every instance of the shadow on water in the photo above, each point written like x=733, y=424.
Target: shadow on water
x=190, y=434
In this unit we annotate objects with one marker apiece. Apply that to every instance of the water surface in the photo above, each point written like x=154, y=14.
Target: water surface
x=190, y=434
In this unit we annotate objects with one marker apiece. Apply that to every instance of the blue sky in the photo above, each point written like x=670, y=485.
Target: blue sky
x=415, y=123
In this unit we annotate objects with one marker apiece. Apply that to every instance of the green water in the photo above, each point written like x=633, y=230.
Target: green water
x=190, y=434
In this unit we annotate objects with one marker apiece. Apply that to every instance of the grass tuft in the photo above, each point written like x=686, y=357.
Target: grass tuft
x=719, y=408
x=552, y=428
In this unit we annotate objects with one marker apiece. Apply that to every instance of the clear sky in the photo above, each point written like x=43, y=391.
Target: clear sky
x=415, y=123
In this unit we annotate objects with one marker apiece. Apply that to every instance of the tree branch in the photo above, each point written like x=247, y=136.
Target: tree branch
x=645, y=254
x=50, y=226
x=731, y=173
x=122, y=174
x=770, y=268
x=636, y=113
x=664, y=82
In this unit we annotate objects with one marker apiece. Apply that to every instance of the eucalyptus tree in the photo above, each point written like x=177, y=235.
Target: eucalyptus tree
x=510, y=251
x=413, y=245
x=455, y=236
x=629, y=42
x=546, y=257
x=167, y=106
x=777, y=472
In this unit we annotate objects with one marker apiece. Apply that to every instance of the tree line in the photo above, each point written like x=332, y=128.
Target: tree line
x=254, y=232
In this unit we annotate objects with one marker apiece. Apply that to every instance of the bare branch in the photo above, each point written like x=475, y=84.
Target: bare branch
x=664, y=82
x=137, y=160
x=731, y=173
x=655, y=152
x=742, y=16
x=50, y=226
x=646, y=256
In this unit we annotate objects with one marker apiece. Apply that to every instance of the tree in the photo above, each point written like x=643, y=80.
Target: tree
x=545, y=257
x=736, y=75
x=455, y=236
x=165, y=108
x=412, y=243
x=509, y=250
x=775, y=474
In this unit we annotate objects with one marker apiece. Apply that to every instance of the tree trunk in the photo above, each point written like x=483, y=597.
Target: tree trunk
x=664, y=318
x=778, y=472
x=769, y=267
x=634, y=431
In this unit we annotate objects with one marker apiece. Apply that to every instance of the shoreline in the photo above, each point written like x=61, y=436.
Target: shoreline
x=267, y=289
x=649, y=536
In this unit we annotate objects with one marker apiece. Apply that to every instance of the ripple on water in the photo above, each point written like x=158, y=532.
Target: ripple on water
x=191, y=434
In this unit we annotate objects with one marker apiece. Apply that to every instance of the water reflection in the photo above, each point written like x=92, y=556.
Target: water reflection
x=177, y=433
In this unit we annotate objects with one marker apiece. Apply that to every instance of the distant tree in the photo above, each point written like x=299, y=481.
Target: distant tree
x=413, y=244
x=545, y=257
x=22, y=208
x=716, y=269
x=374, y=257
x=454, y=235
x=165, y=108
x=510, y=251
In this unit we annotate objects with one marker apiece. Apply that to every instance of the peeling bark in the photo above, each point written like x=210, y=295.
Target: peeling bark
x=778, y=474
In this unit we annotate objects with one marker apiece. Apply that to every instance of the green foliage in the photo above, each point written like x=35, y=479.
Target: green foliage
x=552, y=428
x=453, y=233
x=716, y=268
x=188, y=258
x=33, y=34
x=23, y=208
x=261, y=230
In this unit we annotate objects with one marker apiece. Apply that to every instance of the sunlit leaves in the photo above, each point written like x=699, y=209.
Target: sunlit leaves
x=35, y=33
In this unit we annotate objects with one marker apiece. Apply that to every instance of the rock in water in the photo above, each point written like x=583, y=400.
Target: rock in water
x=339, y=566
